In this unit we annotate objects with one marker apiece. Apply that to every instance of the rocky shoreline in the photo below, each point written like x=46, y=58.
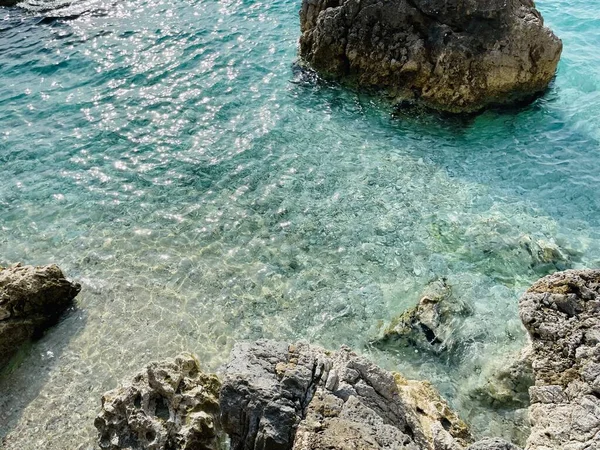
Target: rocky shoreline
x=274, y=395
x=300, y=397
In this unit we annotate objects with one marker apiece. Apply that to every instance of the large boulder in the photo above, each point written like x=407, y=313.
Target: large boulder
x=452, y=55
x=168, y=405
x=562, y=315
x=279, y=397
x=31, y=300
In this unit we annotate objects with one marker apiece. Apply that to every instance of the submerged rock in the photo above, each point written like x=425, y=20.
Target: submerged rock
x=429, y=326
x=562, y=315
x=301, y=397
x=493, y=444
x=169, y=405
x=545, y=255
x=456, y=56
x=31, y=300
x=508, y=384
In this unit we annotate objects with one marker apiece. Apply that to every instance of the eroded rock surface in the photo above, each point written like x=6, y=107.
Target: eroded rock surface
x=562, y=315
x=452, y=55
x=277, y=396
x=31, y=300
x=431, y=325
x=434, y=413
x=170, y=405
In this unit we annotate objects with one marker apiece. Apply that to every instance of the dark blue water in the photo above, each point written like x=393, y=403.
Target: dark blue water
x=168, y=156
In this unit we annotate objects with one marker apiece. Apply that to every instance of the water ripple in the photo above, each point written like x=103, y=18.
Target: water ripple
x=169, y=156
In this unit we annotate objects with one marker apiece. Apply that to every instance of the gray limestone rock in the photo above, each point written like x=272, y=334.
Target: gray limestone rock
x=562, y=315
x=300, y=397
x=452, y=55
x=170, y=405
x=31, y=300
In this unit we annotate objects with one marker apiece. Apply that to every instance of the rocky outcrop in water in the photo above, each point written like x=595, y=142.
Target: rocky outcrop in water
x=31, y=300
x=8, y=2
x=301, y=397
x=456, y=56
x=562, y=315
x=429, y=326
x=168, y=405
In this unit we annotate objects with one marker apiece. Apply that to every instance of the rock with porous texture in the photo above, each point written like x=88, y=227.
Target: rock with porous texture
x=431, y=325
x=434, y=413
x=451, y=55
x=277, y=396
x=562, y=315
x=31, y=300
x=169, y=405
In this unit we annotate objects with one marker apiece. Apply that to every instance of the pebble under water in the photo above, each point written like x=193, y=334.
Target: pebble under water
x=168, y=156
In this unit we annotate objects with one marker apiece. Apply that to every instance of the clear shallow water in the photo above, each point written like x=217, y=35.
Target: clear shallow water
x=167, y=156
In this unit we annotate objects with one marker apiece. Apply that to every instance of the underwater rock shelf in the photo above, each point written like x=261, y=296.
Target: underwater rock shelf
x=276, y=396
x=454, y=56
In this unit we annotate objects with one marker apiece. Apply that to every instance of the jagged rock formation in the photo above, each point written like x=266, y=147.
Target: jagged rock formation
x=429, y=326
x=8, y=2
x=300, y=397
x=31, y=300
x=277, y=396
x=562, y=315
x=452, y=55
x=169, y=405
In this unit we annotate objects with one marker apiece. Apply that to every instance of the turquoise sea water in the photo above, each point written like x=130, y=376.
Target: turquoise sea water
x=169, y=157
